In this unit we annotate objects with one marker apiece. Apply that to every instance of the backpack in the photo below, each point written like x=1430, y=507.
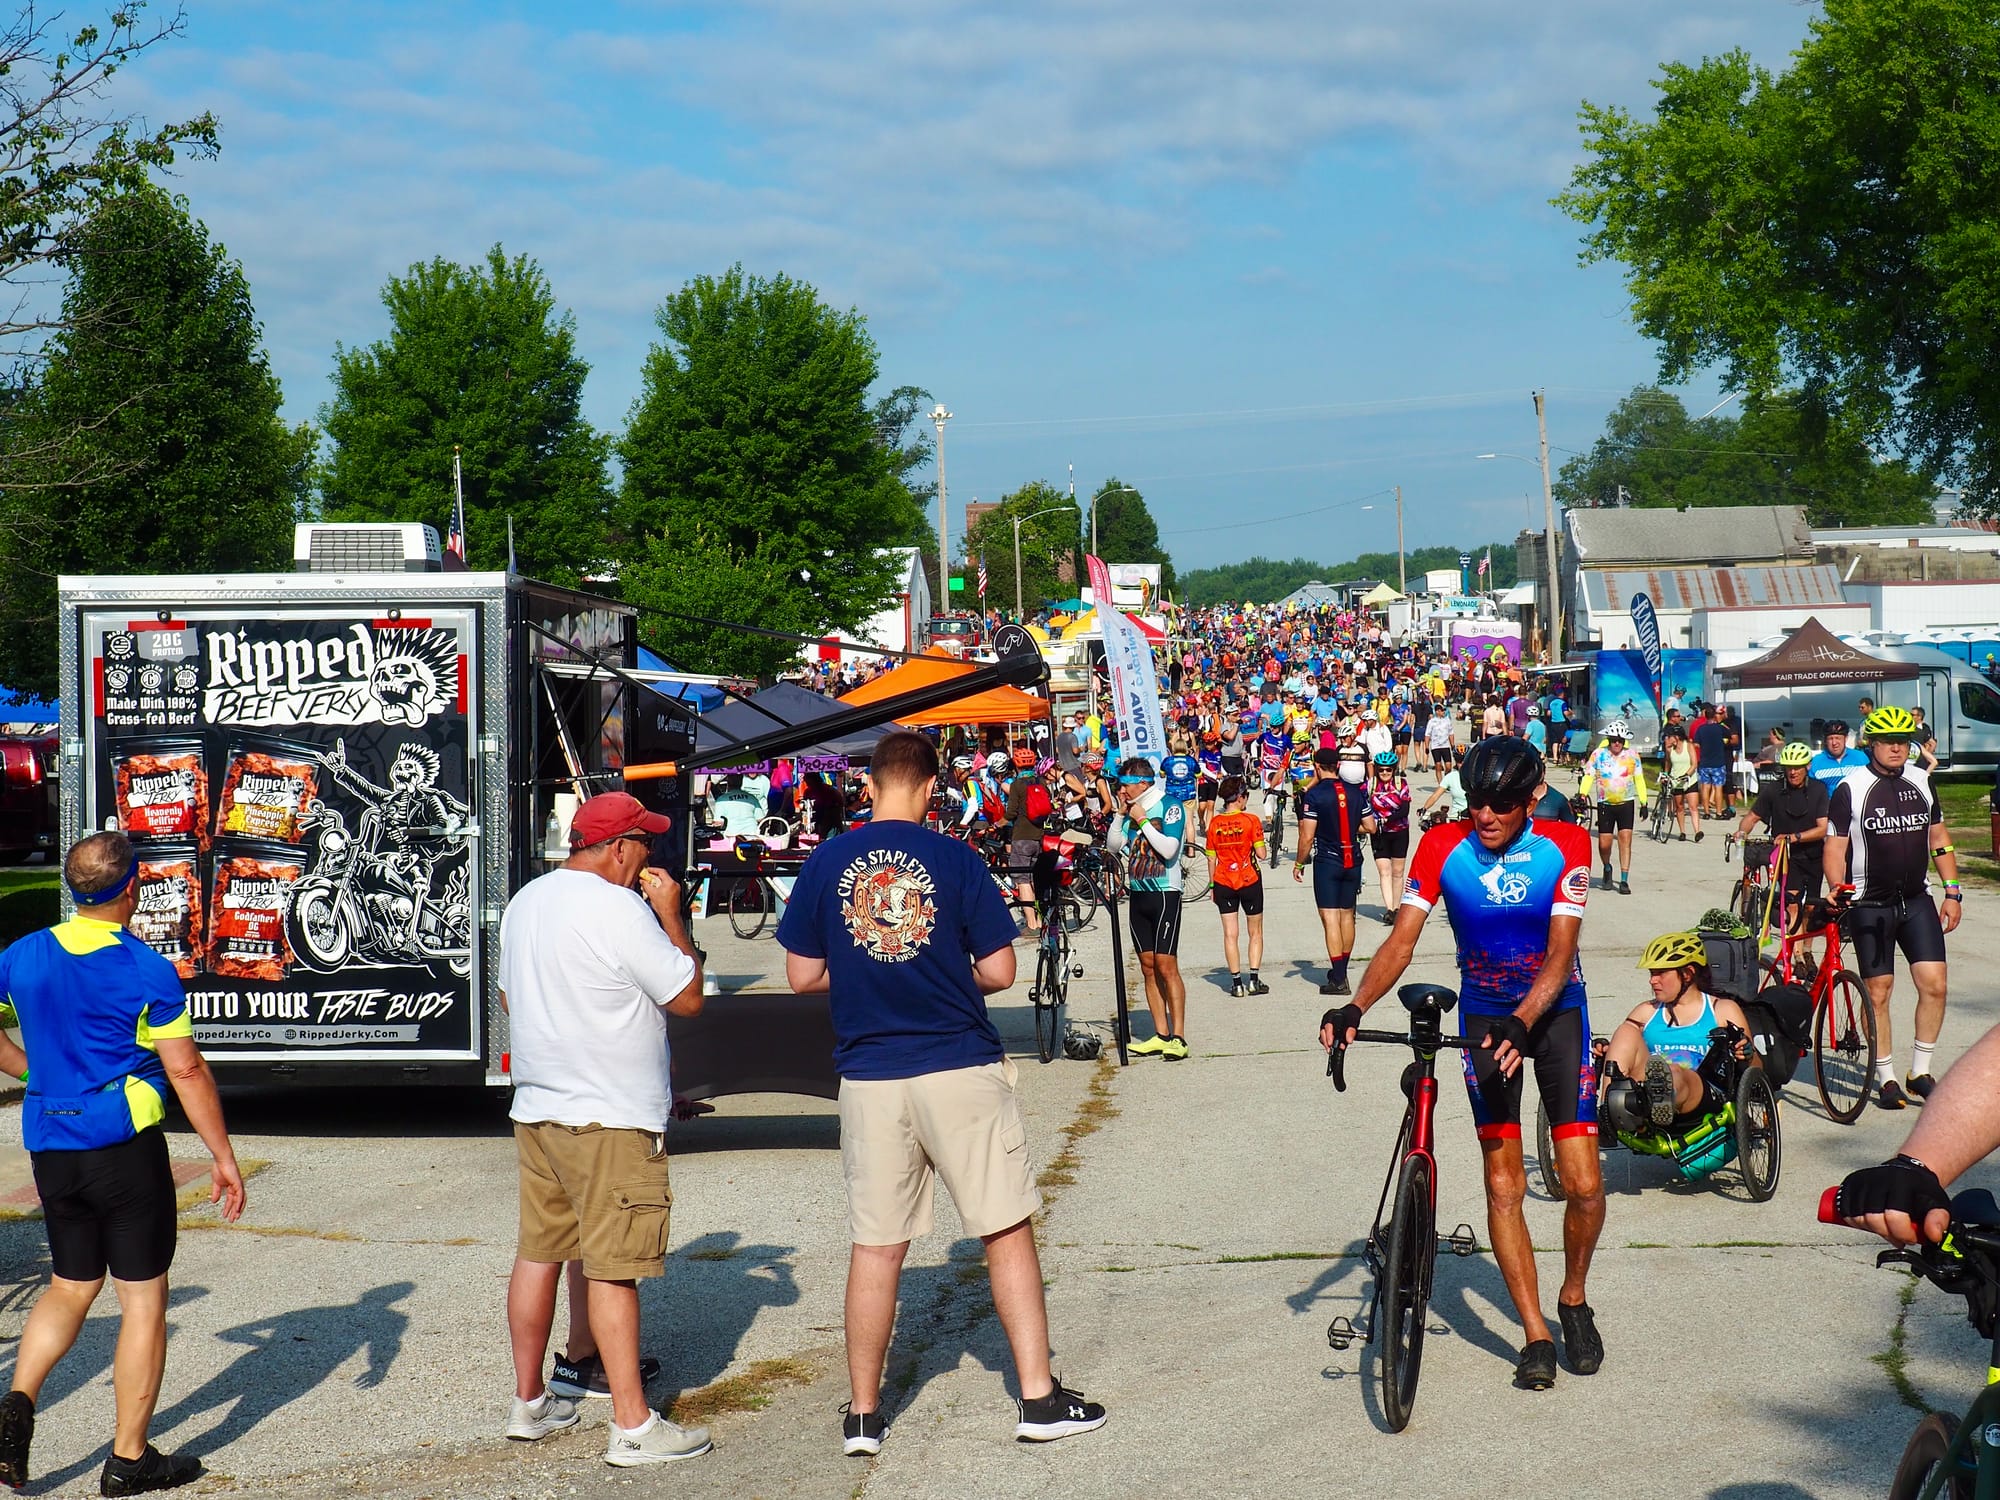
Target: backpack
x=991, y=808
x=1037, y=803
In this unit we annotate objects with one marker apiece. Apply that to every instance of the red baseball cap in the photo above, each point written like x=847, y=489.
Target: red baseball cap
x=611, y=815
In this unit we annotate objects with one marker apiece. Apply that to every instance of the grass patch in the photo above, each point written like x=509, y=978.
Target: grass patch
x=1966, y=813
x=1895, y=1360
x=280, y=1231
x=195, y=1194
x=1091, y=1115
x=1251, y=1260
x=1647, y=1245
x=30, y=899
x=750, y=1391
x=1117, y=1269
x=1740, y=1245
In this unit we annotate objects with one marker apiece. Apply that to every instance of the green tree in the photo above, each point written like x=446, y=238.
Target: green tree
x=1831, y=228
x=477, y=358
x=1261, y=579
x=754, y=449
x=1048, y=546
x=1780, y=452
x=151, y=443
x=1126, y=530
x=902, y=426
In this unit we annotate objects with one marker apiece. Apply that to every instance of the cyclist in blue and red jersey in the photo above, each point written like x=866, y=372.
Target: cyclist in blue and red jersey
x=1514, y=891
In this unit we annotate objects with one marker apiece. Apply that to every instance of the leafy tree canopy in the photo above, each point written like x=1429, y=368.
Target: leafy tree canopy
x=1262, y=579
x=151, y=441
x=1048, y=541
x=1831, y=229
x=1779, y=452
x=1126, y=530
x=479, y=359
x=761, y=481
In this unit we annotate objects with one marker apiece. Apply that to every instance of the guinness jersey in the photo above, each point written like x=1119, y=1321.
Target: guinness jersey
x=1887, y=821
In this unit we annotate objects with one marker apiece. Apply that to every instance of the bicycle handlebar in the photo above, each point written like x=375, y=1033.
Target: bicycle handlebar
x=1336, y=1055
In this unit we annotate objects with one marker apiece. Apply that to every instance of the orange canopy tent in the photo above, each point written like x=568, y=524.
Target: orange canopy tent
x=1000, y=705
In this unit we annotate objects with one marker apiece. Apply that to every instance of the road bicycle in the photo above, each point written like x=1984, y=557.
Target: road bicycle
x=1196, y=876
x=1843, y=1019
x=1953, y=1458
x=1054, y=968
x=1403, y=1254
x=1275, y=799
x=1751, y=896
x=1662, y=829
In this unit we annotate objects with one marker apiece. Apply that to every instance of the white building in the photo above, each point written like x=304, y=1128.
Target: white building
x=900, y=623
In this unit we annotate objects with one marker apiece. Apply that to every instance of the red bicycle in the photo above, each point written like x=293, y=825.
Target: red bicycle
x=1403, y=1253
x=1843, y=1019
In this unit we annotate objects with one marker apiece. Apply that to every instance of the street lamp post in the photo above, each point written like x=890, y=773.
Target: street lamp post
x=1116, y=489
x=1019, y=613
x=1552, y=624
x=940, y=416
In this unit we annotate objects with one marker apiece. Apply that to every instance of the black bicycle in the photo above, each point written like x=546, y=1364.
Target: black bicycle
x=1948, y=1458
x=1403, y=1254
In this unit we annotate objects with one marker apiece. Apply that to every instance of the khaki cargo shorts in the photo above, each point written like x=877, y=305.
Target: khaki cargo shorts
x=898, y=1135
x=595, y=1195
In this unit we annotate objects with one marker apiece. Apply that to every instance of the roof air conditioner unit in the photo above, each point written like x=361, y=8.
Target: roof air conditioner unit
x=366, y=547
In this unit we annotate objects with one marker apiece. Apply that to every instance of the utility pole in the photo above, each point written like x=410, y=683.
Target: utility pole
x=1552, y=625
x=1402, y=569
x=943, y=607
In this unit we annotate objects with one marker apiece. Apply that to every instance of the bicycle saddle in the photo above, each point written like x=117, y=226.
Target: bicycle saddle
x=1416, y=997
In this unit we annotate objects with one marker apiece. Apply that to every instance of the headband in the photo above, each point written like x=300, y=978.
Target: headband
x=110, y=893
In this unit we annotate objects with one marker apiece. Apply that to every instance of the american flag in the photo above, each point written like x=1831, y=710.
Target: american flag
x=982, y=575
x=454, y=541
x=1485, y=562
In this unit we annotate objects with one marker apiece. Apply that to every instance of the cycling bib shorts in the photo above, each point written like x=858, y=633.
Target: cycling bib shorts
x=1879, y=929
x=1559, y=1046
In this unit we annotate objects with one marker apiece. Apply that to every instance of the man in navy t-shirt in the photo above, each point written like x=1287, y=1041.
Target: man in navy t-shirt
x=906, y=934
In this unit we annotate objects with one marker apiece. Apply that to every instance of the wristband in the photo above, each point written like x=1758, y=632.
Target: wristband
x=1944, y=849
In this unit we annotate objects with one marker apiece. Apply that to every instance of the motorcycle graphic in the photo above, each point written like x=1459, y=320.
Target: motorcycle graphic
x=398, y=889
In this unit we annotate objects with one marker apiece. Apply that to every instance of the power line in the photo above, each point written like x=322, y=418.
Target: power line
x=1272, y=520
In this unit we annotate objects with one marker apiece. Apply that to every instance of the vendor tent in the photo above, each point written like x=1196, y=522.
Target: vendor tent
x=1000, y=705
x=784, y=703
x=1813, y=655
x=705, y=699
x=1379, y=595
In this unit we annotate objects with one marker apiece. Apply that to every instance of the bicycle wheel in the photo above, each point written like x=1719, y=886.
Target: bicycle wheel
x=1080, y=900
x=1402, y=1296
x=1194, y=878
x=1929, y=1445
x=1051, y=990
x=1277, y=833
x=1545, y=1155
x=1843, y=1033
x=1662, y=821
x=1758, y=1148
x=748, y=907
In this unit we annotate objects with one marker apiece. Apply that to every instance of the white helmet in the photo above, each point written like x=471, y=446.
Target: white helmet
x=962, y=763
x=1618, y=729
x=998, y=761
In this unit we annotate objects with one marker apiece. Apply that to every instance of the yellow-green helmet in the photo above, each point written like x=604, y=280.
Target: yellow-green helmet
x=1674, y=950
x=1889, y=723
x=1797, y=753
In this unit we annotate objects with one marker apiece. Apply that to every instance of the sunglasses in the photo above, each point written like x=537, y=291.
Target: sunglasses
x=1512, y=803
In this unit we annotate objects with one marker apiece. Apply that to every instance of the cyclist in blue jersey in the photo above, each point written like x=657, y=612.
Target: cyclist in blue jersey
x=1180, y=771
x=1514, y=891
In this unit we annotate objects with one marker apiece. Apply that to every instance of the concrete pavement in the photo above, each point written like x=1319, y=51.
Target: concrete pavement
x=1198, y=1240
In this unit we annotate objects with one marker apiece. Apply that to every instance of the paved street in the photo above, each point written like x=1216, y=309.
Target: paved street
x=348, y=1336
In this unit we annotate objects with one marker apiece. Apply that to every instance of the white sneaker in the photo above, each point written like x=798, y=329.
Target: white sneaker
x=535, y=1419
x=658, y=1442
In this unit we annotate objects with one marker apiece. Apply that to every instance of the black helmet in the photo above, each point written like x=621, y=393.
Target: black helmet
x=1502, y=767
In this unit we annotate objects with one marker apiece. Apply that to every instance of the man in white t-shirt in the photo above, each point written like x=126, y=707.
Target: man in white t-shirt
x=592, y=955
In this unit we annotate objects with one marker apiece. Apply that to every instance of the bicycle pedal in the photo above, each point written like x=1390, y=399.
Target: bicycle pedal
x=1076, y=971
x=1461, y=1241
x=1341, y=1333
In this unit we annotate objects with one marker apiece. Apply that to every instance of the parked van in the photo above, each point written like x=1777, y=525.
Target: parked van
x=1960, y=705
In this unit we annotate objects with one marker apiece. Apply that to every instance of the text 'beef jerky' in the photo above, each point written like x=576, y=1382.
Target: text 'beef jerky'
x=162, y=789
x=253, y=893
x=167, y=917
x=266, y=790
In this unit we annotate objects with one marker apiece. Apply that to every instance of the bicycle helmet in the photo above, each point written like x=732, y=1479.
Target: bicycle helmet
x=997, y=761
x=1797, y=753
x=1618, y=729
x=1385, y=760
x=1674, y=950
x=1889, y=722
x=1045, y=765
x=1024, y=757
x=1093, y=758
x=1835, y=726
x=1501, y=767
x=962, y=763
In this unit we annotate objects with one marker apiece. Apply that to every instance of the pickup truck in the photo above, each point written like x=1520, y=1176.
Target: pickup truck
x=27, y=796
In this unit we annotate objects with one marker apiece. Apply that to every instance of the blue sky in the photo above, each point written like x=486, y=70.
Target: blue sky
x=1262, y=264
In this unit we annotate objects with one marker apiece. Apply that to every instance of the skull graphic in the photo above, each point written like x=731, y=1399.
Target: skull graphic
x=406, y=688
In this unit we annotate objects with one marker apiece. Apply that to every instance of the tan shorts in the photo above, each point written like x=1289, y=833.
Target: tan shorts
x=898, y=1134
x=595, y=1195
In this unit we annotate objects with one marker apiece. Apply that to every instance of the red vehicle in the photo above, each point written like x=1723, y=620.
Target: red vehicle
x=27, y=796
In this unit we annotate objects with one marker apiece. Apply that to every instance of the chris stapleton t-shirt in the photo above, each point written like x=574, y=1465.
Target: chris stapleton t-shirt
x=899, y=914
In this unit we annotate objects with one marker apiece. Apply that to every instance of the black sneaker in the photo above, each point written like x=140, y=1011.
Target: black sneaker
x=861, y=1433
x=1891, y=1096
x=151, y=1470
x=1536, y=1369
x=1060, y=1414
x=1607, y=877
x=1327, y=988
x=17, y=1430
x=1624, y=886
x=1580, y=1339
x=586, y=1377
x=1917, y=1084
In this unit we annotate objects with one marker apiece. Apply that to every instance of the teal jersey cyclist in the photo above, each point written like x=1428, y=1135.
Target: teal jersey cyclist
x=1149, y=831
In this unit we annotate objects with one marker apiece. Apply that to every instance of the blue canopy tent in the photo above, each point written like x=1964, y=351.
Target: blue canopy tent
x=703, y=699
x=18, y=708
